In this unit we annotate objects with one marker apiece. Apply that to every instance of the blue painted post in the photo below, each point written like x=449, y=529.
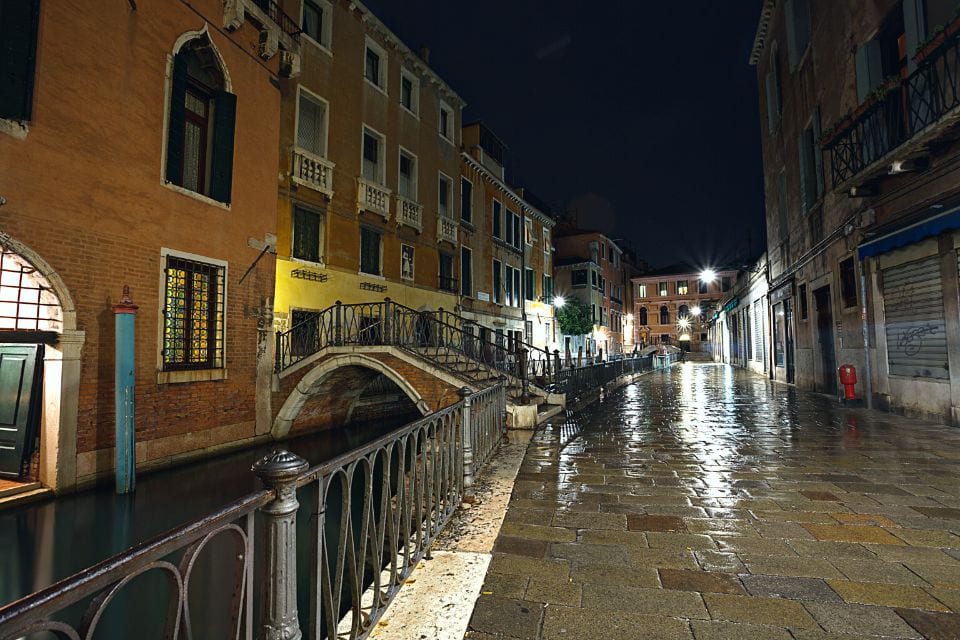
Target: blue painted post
x=125, y=324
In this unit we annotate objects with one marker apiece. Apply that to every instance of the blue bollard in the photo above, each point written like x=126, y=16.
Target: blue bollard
x=125, y=451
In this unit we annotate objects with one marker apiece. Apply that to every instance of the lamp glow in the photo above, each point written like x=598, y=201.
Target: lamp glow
x=696, y=311
x=559, y=301
x=683, y=323
x=708, y=275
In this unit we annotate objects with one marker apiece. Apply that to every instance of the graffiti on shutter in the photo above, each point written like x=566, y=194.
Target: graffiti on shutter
x=916, y=332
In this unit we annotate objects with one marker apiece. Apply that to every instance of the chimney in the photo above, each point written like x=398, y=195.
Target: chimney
x=425, y=54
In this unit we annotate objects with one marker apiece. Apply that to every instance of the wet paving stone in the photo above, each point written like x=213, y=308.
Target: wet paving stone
x=705, y=503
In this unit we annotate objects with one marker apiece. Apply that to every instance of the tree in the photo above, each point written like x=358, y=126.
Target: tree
x=574, y=318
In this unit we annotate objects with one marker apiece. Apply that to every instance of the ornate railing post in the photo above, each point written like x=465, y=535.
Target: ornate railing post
x=338, y=324
x=466, y=440
x=556, y=366
x=279, y=471
x=387, y=324
x=522, y=359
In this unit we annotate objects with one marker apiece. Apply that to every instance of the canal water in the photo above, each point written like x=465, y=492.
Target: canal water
x=43, y=543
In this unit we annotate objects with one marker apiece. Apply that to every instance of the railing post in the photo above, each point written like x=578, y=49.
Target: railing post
x=387, y=324
x=466, y=440
x=522, y=359
x=338, y=324
x=278, y=354
x=279, y=471
x=556, y=365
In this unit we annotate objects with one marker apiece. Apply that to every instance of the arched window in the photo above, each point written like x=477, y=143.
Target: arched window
x=664, y=315
x=643, y=316
x=683, y=311
x=200, y=125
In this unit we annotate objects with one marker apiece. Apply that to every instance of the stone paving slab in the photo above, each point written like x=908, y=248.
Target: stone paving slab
x=702, y=503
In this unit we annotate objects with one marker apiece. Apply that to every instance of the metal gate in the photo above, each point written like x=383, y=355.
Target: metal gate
x=916, y=332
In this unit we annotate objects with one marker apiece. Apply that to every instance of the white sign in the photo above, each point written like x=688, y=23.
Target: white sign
x=483, y=296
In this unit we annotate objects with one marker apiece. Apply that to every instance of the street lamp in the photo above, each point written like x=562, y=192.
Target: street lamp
x=683, y=323
x=695, y=312
x=559, y=301
x=708, y=275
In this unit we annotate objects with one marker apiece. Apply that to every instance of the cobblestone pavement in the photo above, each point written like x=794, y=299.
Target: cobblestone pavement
x=704, y=502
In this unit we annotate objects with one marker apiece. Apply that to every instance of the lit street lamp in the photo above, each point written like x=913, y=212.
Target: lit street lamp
x=708, y=275
x=695, y=312
x=559, y=301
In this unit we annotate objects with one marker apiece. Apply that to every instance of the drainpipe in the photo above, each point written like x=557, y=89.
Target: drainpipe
x=867, y=369
x=124, y=313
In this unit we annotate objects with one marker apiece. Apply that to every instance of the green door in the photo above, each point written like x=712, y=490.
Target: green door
x=19, y=409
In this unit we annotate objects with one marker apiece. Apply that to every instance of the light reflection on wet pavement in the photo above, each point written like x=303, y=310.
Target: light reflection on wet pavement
x=705, y=502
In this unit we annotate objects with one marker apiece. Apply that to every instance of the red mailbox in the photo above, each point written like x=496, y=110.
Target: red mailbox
x=848, y=378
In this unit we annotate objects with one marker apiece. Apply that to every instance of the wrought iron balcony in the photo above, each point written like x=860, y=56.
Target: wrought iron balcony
x=409, y=213
x=313, y=171
x=373, y=197
x=903, y=117
x=273, y=11
x=447, y=230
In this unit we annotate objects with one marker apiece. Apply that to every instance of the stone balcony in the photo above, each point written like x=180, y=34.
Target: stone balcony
x=409, y=213
x=447, y=230
x=373, y=197
x=310, y=170
x=279, y=32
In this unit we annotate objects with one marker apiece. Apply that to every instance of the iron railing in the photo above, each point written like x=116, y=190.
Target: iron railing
x=374, y=513
x=892, y=118
x=441, y=337
x=575, y=381
x=273, y=11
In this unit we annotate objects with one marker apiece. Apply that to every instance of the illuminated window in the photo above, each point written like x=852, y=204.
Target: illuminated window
x=641, y=291
x=27, y=302
x=662, y=287
x=681, y=287
x=193, y=315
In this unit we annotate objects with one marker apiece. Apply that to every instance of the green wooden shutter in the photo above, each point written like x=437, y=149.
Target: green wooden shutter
x=176, y=120
x=224, y=119
x=869, y=66
x=18, y=54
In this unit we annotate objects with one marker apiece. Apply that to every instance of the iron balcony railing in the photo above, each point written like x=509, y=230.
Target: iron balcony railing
x=448, y=283
x=287, y=24
x=372, y=514
x=896, y=113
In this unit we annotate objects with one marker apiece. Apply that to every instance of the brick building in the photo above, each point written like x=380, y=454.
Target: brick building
x=589, y=267
x=859, y=144
x=673, y=305
x=137, y=147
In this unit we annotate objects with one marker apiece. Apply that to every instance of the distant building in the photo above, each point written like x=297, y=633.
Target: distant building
x=863, y=201
x=506, y=243
x=589, y=267
x=673, y=305
x=740, y=328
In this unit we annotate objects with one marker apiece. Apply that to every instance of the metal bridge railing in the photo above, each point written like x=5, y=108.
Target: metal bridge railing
x=375, y=514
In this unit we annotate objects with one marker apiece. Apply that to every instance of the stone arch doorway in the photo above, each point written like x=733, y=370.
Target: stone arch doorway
x=38, y=320
x=341, y=386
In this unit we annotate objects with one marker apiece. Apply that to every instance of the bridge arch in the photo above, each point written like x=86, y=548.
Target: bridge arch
x=315, y=380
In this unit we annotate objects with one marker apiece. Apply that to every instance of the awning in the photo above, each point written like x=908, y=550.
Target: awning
x=929, y=228
x=732, y=304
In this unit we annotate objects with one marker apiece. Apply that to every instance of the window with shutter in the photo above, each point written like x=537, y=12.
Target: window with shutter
x=18, y=53
x=497, y=282
x=496, y=214
x=798, y=29
x=408, y=175
x=370, y=251
x=444, y=187
x=466, y=272
x=466, y=200
x=372, y=156
x=200, y=124
x=307, y=227
x=312, y=125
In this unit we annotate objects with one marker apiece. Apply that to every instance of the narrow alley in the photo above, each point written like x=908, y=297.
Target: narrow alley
x=705, y=502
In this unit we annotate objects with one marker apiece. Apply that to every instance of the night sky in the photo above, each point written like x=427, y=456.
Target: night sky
x=640, y=116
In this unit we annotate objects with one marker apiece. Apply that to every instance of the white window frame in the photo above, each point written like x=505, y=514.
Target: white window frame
x=452, y=125
x=641, y=291
x=413, y=257
x=325, y=43
x=191, y=375
x=415, y=93
x=381, y=84
x=528, y=238
x=381, y=155
x=416, y=174
x=441, y=177
x=493, y=215
x=310, y=95
x=501, y=293
x=470, y=251
x=472, y=192
x=546, y=247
